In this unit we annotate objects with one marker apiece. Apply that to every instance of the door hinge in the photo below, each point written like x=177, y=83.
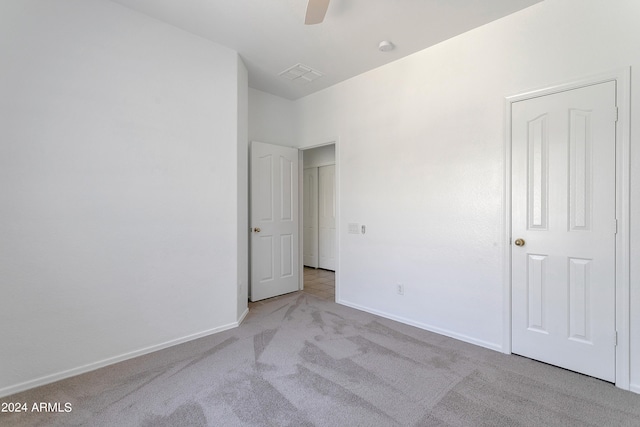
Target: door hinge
x=615, y=338
x=615, y=114
x=615, y=226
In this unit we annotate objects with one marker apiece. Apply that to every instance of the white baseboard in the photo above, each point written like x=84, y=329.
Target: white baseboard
x=47, y=379
x=242, y=316
x=430, y=328
x=635, y=388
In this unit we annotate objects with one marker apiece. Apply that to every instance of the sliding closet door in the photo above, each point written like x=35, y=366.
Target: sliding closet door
x=310, y=217
x=327, y=217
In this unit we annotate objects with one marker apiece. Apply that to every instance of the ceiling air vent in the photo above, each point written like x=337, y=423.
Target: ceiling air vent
x=301, y=74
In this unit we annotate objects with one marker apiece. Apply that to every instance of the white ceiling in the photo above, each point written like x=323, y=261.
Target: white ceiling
x=270, y=35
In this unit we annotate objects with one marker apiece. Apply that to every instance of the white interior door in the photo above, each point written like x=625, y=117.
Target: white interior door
x=310, y=217
x=563, y=212
x=327, y=217
x=274, y=219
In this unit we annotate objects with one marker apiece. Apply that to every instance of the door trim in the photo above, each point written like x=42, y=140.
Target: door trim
x=622, y=77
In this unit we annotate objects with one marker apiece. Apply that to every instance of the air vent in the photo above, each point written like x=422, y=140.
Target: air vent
x=301, y=74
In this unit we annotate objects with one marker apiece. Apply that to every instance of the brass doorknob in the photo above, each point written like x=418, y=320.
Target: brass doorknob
x=519, y=242
x=257, y=229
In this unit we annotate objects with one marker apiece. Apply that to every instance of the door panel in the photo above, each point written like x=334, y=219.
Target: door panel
x=274, y=219
x=563, y=207
x=579, y=292
x=327, y=217
x=535, y=292
x=537, y=142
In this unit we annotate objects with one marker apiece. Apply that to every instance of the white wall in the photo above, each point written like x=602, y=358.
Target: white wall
x=421, y=162
x=118, y=162
x=271, y=119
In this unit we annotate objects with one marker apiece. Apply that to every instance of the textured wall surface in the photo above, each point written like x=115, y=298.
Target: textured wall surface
x=118, y=181
x=421, y=161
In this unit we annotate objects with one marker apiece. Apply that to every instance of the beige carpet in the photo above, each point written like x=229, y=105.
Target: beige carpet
x=300, y=361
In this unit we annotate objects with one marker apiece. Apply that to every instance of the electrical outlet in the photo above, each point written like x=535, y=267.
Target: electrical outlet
x=400, y=289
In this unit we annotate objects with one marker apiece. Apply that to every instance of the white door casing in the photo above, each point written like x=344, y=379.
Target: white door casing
x=310, y=217
x=563, y=198
x=274, y=220
x=327, y=217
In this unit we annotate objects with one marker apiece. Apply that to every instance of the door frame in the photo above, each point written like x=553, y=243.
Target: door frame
x=622, y=77
x=326, y=141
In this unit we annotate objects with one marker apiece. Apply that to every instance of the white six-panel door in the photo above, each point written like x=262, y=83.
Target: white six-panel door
x=310, y=217
x=563, y=211
x=274, y=220
x=327, y=217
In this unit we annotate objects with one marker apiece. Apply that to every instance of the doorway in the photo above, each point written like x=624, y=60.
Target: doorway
x=319, y=220
x=567, y=226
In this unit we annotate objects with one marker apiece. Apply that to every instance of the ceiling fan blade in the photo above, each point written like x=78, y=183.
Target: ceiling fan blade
x=316, y=9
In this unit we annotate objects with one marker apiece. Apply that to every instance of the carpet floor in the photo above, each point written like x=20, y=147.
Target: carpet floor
x=298, y=360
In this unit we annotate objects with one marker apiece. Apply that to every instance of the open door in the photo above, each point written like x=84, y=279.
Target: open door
x=274, y=221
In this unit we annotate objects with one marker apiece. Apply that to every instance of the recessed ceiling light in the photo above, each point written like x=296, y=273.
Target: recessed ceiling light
x=300, y=73
x=385, y=46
